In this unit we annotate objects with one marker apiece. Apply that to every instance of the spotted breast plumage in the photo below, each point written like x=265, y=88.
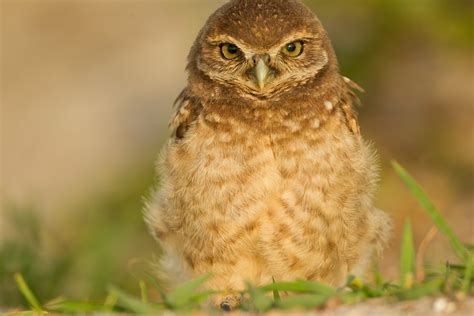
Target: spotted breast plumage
x=266, y=176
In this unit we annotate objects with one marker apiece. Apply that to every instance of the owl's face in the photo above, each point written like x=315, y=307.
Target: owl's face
x=262, y=48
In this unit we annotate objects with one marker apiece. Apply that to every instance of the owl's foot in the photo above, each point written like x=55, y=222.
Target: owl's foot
x=229, y=303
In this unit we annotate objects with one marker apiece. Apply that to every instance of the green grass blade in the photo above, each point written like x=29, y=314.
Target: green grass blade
x=470, y=248
x=276, y=293
x=185, y=294
x=458, y=248
x=129, y=302
x=420, y=290
x=143, y=291
x=358, y=286
x=407, y=255
x=302, y=301
x=110, y=302
x=300, y=286
x=468, y=273
x=260, y=301
x=350, y=298
x=74, y=307
x=157, y=286
x=27, y=293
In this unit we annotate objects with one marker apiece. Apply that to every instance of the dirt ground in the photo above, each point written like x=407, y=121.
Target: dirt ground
x=424, y=306
x=380, y=307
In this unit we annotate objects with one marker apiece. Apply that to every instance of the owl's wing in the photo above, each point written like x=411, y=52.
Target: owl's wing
x=188, y=108
x=350, y=101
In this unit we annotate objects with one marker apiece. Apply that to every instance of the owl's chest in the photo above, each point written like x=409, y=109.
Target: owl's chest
x=234, y=163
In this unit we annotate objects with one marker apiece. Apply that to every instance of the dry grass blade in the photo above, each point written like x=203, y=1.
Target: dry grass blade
x=420, y=253
x=456, y=245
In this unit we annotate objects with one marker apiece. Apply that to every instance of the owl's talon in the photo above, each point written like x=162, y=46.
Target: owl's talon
x=227, y=303
x=225, y=306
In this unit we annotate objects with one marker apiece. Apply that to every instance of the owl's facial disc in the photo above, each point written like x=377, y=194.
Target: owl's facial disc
x=262, y=49
x=262, y=71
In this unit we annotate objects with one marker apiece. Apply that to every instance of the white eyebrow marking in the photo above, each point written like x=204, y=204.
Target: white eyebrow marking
x=328, y=105
x=315, y=123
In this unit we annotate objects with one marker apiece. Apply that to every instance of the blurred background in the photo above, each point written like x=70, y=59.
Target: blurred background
x=86, y=94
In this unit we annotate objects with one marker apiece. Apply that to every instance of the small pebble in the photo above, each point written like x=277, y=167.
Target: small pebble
x=443, y=306
x=440, y=304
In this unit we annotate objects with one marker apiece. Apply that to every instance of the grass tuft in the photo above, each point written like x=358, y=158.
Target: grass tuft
x=458, y=248
x=186, y=295
x=260, y=302
x=276, y=293
x=449, y=279
x=130, y=303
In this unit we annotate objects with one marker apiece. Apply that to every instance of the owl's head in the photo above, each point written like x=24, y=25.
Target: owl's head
x=262, y=48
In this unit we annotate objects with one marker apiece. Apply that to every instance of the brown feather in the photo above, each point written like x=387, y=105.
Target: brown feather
x=273, y=182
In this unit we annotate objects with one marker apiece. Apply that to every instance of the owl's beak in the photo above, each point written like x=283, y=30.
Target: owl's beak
x=261, y=73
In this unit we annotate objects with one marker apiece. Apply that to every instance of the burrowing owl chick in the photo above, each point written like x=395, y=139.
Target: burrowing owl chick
x=266, y=174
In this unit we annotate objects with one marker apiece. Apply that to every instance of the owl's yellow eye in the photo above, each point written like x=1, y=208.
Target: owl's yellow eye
x=293, y=49
x=230, y=51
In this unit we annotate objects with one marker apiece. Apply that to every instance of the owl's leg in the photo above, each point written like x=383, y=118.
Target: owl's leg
x=382, y=224
x=229, y=276
x=174, y=269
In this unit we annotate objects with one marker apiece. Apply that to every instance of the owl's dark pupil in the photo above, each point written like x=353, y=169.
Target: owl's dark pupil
x=291, y=47
x=231, y=48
